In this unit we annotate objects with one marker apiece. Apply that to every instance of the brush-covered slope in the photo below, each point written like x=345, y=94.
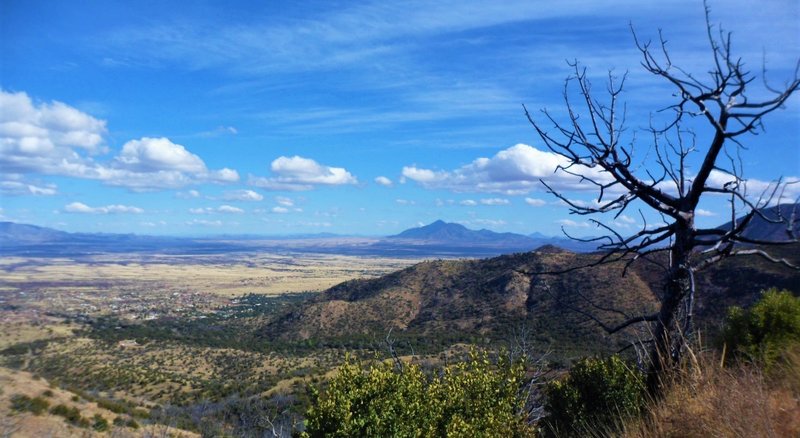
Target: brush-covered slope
x=491, y=298
x=487, y=298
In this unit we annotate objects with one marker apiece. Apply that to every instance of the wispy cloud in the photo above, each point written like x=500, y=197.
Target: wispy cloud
x=79, y=207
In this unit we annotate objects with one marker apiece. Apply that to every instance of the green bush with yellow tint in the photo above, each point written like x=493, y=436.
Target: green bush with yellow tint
x=476, y=397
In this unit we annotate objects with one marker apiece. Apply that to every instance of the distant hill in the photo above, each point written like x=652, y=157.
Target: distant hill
x=492, y=298
x=457, y=234
x=760, y=228
x=443, y=234
x=469, y=298
x=12, y=234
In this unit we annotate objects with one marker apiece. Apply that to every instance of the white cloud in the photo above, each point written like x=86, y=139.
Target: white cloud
x=57, y=139
x=218, y=131
x=189, y=194
x=424, y=176
x=315, y=224
x=220, y=209
x=788, y=192
x=513, y=171
x=704, y=213
x=468, y=202
x=624, y=221
x=301, y=170
x=535, y=202
x=39, y=137
x=404, y=202
x=15, y=187
x=572, y=224
x=280, y=210
x=284, y=201
x=156, y=154
x=242, y=195
x=382, y=180
x=224, y=175
x=153, y=224
x=29, y=130
x=79, y=207
x=495, y=201
x=229, y=209
x=204, y=223
x=298, y=173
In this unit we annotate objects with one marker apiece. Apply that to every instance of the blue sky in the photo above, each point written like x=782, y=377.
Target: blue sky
x=158, y=117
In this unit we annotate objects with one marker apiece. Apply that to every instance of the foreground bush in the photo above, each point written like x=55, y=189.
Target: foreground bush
x=596, y=395
x=472, y=398
x=766, y=331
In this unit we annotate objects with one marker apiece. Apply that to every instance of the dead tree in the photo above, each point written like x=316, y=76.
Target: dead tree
x=595, y=147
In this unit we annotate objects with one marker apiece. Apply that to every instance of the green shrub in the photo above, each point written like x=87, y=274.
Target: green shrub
x=765, y=331
x=472, y=398
x=23, y=403
x=596, y=395
x=71, y=414
x=125, y=422
x=99, y=423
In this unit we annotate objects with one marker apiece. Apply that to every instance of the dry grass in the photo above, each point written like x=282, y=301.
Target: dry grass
x=227, y=275
x=706, y=400
x=16, y=424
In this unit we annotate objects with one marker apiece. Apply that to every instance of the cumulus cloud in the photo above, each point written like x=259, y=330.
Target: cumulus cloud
x=224, y=175
x=513, y=171
x=404, y=202
x=756, y=189
x=468, y=202
x=704, y=213
x=298, y=173
x=28, y=129
x=155, y=154
x=242, y=195
x=382, y=180
x=79, y=207
x=280, y=210
x=57, y=139
x=535, y=202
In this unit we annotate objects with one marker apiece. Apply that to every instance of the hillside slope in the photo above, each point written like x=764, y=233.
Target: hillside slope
x=469, y=299
x=491, y=298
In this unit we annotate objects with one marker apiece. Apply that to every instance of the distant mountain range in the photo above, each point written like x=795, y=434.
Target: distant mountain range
x=436, y=239
x=443, y=235
x=766, y=229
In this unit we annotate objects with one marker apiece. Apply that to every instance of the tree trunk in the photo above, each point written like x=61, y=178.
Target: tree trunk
x=674, y=318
